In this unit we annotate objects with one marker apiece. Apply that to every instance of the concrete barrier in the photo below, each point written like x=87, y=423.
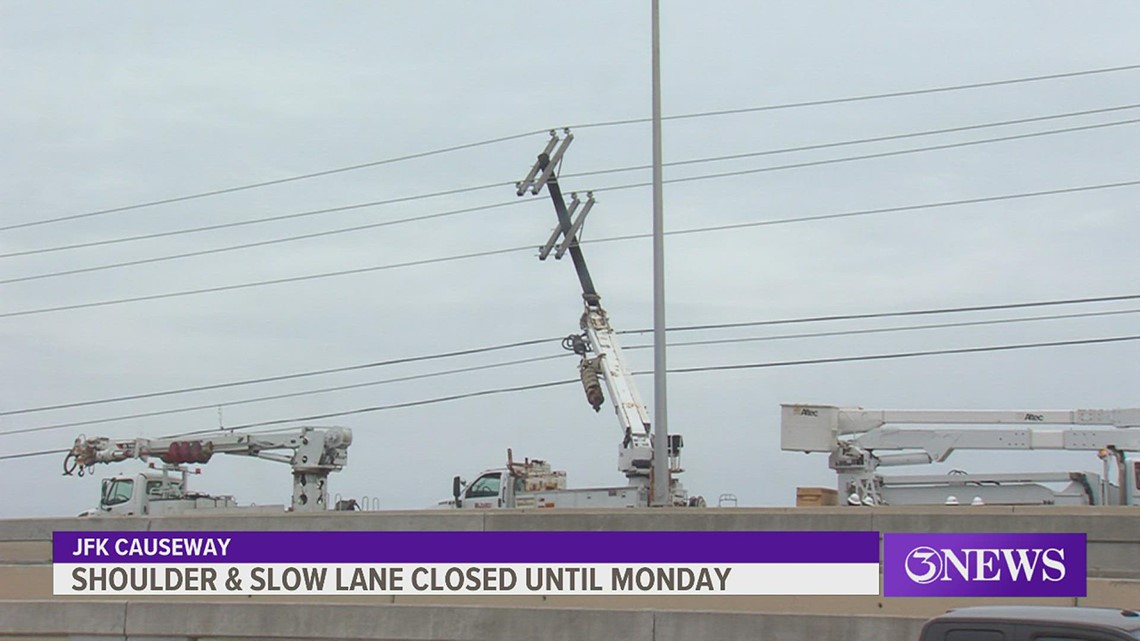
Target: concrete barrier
x=184, y=621
x=43, y=618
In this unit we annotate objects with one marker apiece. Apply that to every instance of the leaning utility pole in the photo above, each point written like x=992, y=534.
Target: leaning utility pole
x=638, y=453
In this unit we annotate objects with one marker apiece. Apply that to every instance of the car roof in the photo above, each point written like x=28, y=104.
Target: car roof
x=1113, y=618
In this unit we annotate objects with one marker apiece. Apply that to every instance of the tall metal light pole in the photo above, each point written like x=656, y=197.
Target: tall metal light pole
x=661, y=492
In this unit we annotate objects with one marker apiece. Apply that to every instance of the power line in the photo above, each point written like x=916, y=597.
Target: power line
x=276, y=281
x=877, y=357
x=684, y=370
x=4, y=457
x=675, y=371
x=701, y=114
x=262, y=243
x=285, y=377
x=912, y=312
x=883, y=154
x=274, y=397
x=192, y=408
x=492, y=348
x=868, y=212
x=256, y=221
x=267, y=183
x=877, y=96
x=887, y=330
x=502, y=184
x=430, y=401
x=857, y=141
x=443, y=259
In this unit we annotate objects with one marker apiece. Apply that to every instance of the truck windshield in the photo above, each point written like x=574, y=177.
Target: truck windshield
x=118, y=491
x=486, y=485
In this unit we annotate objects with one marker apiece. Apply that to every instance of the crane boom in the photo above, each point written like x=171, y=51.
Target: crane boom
x=817, y=428
x=860, y=441
x=311, y=452
x=850, y=421
x=635, y=456
x=619, y=382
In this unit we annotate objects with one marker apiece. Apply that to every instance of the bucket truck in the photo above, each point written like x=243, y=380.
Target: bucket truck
x=312, y=452
x=532, y=483
x=860, y=441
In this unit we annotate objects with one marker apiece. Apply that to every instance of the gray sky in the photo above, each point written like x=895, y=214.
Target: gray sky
x=115, y=104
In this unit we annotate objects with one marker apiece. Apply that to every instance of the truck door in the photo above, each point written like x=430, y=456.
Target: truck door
x=485, y=492
x=119, y=496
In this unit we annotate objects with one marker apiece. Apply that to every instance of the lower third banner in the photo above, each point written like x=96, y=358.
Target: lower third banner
x=541, y=563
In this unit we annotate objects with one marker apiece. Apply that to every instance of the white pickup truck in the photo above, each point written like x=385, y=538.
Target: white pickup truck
x=533, y=484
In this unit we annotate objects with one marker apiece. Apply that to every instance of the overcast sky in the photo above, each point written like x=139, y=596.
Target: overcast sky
x=114, y=104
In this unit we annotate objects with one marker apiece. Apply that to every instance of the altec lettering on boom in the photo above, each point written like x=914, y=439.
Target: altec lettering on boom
x=153, y=547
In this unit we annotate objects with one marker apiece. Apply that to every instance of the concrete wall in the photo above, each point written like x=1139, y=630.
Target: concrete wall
x=218, y=621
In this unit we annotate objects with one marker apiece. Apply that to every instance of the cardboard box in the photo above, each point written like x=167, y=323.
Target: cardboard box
x=816, y=497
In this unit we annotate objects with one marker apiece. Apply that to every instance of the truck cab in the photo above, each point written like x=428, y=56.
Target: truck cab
x=491, y=489
x=533, y=484
x=526, y=484
x=146, y=494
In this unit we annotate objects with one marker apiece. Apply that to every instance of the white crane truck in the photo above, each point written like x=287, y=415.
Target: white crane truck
x=533, y=483
x=312, y=452
x=860, y=441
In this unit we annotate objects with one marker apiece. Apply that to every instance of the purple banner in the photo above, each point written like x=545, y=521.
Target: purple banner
x=984, y=565
x=465, y=547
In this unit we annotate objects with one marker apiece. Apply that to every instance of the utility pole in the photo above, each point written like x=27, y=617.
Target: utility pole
x=661, y=473
x=637, y=454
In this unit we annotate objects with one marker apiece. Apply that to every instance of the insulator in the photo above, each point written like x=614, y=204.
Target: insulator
x=591, y=384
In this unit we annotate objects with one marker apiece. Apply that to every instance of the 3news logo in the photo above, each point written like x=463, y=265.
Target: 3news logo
x=926, y=565
x=980, y=565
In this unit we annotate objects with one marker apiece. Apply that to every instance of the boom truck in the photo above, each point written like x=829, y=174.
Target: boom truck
x=311, y=452
x=860, y=441
x=533, y=483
